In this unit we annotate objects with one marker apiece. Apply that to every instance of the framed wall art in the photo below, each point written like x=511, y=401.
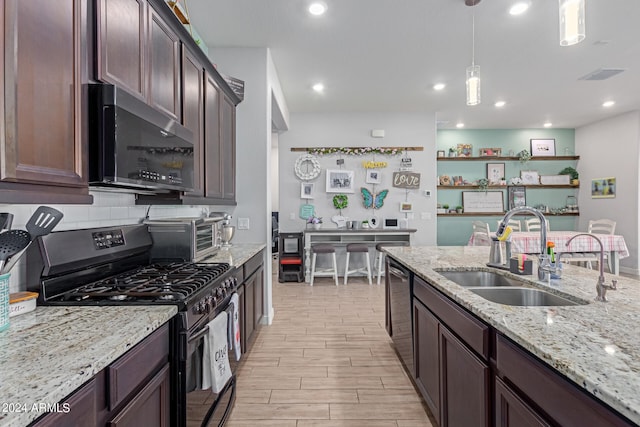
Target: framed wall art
x=483, y=201
x=464, y=150
x=603, y=188
x=490, y=152
x=306, y=190
x=517, y=196
x=340, y=181
x=373, y=176
x=543, y=147
x=406, y=207
x=530, y=177
x=495, y=172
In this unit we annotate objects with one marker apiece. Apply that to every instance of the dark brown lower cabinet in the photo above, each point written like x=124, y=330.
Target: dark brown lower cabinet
x=426, y=355
x=132, y=391
x=512, y=411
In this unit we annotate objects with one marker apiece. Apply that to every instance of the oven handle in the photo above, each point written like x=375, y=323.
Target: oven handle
x=231, y=384
x=198, y=334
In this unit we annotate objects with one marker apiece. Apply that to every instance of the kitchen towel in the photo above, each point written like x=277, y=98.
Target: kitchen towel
x=216, y=370
x=234, y=325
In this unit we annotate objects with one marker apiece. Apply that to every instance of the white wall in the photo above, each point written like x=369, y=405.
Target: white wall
x=610, y=148
x=275, y=194
x=353, y=130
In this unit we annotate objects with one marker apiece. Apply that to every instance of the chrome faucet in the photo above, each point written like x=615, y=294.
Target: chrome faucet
x=601, y=288
x=544, y=263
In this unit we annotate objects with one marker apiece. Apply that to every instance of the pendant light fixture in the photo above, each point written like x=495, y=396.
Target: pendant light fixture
x=572, y=23
x=473, y=71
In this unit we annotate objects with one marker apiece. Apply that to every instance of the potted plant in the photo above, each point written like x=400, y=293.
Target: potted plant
x=314, y=222
x=452, y=152
x=365, y=224
x=573, y=173
x=446, y=208
x=459, y=209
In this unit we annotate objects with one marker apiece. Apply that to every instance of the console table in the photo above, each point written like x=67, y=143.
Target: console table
x=342, y=237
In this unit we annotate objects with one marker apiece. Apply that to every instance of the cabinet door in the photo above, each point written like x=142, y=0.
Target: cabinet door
x=43, y=135
x=464, y=380
x=258, y=308
x=426, y=356
x=228, y=135
x=249, y=307
x=150, y=407
x=164, y=67
x=511, y=411
x=121, y=40
x=193, y=114
x=79, y=410
x=213, y=146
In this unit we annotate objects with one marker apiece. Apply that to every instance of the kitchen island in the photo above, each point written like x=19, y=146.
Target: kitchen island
x=596, y=346
x=47, y=354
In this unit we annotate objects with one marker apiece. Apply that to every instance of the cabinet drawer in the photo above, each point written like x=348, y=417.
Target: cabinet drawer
x=130, y=371
x=253, y=264
x=472, y=331
x=554, y=394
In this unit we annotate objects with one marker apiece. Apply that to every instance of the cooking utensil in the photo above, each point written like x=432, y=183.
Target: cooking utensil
x=6, y=219
x=12, y=242
x=43, y=220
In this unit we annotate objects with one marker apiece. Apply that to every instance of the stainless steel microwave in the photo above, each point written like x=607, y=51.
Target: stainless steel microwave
x=133, y=145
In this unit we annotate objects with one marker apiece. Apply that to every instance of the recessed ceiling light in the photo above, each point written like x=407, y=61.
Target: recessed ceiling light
x=460, y=125
x=520, y=7
x=608, y=104
x=317, y=8
x=439, y=86
x=500, y=104
x=318, y=87
x=548, y=124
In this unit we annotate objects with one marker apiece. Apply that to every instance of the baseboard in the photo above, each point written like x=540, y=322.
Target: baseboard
x=267, y=320
x=630, y=271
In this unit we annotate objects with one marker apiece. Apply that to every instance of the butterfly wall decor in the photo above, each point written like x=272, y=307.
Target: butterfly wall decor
x=371, y=200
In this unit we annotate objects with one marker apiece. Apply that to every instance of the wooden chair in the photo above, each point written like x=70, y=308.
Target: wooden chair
x=596, y=226
x=514, y=224
x=481, y=233
x=533, y=224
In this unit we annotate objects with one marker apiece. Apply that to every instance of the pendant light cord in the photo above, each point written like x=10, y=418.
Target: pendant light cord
x=473, y=38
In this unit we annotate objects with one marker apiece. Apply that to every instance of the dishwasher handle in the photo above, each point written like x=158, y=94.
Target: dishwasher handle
x=398, y=273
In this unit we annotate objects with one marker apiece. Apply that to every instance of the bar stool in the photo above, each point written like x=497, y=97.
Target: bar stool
x=323, y=249
x=357, y=248
x=378, y=262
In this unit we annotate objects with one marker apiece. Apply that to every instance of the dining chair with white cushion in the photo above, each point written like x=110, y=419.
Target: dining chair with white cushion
x=601, y=226
x=533, y=224
x=597, y=226
x=515, y=224
x=481, y=233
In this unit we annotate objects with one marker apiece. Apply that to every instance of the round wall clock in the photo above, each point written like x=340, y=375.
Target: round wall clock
x=307, y=167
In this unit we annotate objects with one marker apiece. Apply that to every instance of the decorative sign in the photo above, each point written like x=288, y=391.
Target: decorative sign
x=483, y=201
x=409, y=180
x=307, y=211
x=405, y=164
x=374, y=165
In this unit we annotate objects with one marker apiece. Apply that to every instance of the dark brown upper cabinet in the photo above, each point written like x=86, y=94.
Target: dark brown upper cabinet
x=139, y=52
x=228, y=137
x=43, y=132
x=213, y=142
x=193, y=114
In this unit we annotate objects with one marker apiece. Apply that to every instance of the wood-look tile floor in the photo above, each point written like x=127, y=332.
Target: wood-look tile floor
x=326, y=361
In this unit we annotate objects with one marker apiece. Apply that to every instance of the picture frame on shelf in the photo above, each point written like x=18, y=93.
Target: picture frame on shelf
x=495, y=172
x=306, y=190
x=517, y=196
x=543, y=147
x=374, y=176
x=603, y=188
x=406, y=207
x=440, y=153
x=465, y=150
x=483, y=201
x=490, y=152
x=530, y=177
x=339, y=181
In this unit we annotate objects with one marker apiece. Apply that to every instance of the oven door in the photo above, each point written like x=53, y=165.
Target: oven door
x=203, y=407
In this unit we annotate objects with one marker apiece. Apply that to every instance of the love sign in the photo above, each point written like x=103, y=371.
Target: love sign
x=410, y=180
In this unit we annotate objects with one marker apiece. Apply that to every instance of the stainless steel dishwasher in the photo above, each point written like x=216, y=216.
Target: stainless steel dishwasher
x=399, y=300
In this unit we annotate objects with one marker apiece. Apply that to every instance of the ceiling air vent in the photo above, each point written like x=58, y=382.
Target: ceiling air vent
x=601, y=74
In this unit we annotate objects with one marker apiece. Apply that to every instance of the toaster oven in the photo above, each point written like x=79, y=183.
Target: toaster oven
x=184, y=239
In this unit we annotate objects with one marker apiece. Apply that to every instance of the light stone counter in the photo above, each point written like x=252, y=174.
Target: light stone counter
x=48, y=353
x=597, y=345
x=238, y=254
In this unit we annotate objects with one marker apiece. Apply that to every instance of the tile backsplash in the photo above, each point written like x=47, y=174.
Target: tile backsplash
x=108, y=208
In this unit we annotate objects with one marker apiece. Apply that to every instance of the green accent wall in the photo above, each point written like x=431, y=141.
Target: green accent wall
x=456, y=230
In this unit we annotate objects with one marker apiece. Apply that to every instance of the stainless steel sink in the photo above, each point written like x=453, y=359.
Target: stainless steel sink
x=474, y=278
x=523, y=296
x=506, y=290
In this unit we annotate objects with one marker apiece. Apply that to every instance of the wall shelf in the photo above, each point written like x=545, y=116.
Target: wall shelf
x=465, y=214
x=503, y=187
x=508, y=158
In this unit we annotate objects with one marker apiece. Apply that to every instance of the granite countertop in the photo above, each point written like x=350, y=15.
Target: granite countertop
x=48, y=353
x=597, y=345
x=237, y=254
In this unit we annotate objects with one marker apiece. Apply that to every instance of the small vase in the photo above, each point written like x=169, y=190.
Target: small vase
x=316, y=226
